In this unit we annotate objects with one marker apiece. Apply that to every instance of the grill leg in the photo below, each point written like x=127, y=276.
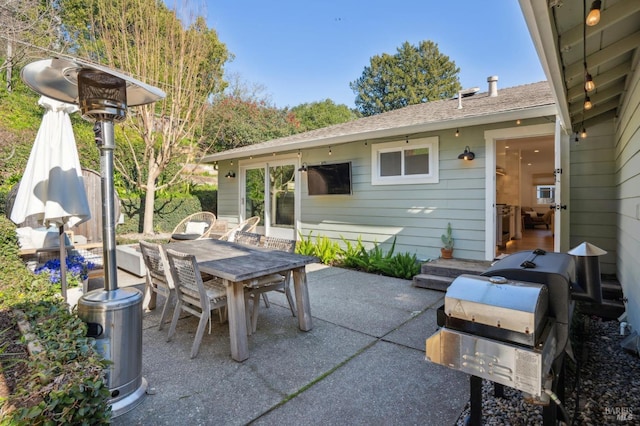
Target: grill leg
x=551, y=410
x=475, y=418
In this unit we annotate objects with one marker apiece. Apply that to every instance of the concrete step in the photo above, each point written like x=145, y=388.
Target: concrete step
x=611, y=289
x=453, y=267
x=608, y=309
x=432, y=282
x=438, y=274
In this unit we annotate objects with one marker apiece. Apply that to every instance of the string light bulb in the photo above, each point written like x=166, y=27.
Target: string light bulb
x=583, y=134
x=594, y=14
x=587, y=103
x=589, y=85
x=329, y=150
x=457, y=132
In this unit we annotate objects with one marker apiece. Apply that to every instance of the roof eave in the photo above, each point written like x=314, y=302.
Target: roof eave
x=522, y=114
x=537, y=16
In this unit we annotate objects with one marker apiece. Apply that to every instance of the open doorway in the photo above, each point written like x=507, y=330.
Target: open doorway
x=525, y=193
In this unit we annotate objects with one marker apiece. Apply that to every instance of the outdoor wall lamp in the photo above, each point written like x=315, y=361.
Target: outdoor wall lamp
x=230, y=175
x=303, y=169
x=467, y=154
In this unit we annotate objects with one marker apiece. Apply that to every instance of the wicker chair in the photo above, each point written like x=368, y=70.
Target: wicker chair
x=275, y=282
x=289, y=246
x=158, y=280
x=193, y=295
x=194, y=227
x=247, y=238
x=248, y=225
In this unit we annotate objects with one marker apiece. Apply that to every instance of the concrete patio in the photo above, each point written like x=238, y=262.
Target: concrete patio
x=363, y=362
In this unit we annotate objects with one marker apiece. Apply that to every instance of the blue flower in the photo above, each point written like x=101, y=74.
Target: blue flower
x=77, y=269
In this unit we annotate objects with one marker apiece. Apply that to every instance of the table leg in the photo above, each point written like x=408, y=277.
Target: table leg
x=237, y=320
x=302, y=299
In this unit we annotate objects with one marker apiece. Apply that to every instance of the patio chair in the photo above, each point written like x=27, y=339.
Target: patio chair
x=290, y=247
x=194, y=227
x=248, y=238
x=158, y=279
x=193, y=295
x=248, y=225
x=274, y=282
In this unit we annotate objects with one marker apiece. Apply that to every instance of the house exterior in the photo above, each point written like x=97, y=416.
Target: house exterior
x=407, y=180
x=604, y=169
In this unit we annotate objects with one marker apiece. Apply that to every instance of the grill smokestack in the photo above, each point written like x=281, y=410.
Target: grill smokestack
x=493, y=85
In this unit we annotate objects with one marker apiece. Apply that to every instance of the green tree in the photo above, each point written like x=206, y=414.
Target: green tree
x=25, y=25
x=415, y=74
x=149, y=41
x=233, y=122
x=316, y=115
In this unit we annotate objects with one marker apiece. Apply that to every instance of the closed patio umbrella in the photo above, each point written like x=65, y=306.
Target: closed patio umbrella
x=52, y=187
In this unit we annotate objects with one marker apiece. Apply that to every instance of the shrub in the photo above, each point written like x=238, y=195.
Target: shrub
x=323, y=248
x=66, y=383
x=356, y=256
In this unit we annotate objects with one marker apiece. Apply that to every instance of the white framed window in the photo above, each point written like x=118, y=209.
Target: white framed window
x=399, y=162
x=545, y=194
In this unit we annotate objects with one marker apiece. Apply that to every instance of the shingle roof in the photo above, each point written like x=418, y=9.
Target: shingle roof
x=445, y=113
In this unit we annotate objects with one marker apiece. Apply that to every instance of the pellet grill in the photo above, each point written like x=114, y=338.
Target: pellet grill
x=510, y=325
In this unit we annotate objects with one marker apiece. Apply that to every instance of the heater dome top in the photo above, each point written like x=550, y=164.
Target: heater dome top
x=57, y=78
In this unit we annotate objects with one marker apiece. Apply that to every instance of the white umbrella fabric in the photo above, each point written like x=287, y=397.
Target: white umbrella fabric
x=52, y=186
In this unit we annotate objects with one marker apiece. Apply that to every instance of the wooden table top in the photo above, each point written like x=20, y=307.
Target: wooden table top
x=237, y=262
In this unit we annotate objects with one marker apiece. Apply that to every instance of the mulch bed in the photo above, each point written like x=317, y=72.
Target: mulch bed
x=13, y=353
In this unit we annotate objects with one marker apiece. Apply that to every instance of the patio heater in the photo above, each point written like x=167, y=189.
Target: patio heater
x=113, y=315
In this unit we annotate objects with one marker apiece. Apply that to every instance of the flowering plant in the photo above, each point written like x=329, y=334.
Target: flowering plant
x=77, y=269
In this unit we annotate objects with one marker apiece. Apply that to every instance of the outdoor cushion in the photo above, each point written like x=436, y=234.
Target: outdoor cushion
x=196, y=228
x=38, y=238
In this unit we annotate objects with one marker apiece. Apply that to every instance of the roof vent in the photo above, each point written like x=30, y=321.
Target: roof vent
x=465, y=93
x=493, y=85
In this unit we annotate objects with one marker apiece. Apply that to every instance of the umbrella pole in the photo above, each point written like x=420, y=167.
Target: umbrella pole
x=63, y=263
x=106, y=143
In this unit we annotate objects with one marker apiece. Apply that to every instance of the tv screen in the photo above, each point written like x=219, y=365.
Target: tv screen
x=329, y=179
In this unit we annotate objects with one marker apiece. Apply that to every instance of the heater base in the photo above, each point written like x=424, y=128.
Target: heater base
x=129, y=402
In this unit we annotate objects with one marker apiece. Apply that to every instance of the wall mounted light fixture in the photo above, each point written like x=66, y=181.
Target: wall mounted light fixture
x=467, y=154
x=230, y=175
x=303, y=169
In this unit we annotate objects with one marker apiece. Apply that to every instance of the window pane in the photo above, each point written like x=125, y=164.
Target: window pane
x=390, y=163
x=416, y=161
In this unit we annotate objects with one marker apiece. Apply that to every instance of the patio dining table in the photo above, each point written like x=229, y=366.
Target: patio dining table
x=235, y=264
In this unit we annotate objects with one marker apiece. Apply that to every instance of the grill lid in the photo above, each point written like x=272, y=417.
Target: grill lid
x=495, y=301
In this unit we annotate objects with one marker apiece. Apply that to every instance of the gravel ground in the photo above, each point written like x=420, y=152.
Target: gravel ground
x=607, y=391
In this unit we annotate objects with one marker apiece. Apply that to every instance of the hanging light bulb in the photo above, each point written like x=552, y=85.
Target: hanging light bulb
x=594, y=14
x=583, y=134
x=329, y=150
x=587, y=103
x=457, y=132
x=589, y=85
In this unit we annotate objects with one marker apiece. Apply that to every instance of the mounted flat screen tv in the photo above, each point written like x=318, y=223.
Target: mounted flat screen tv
x=329, y=179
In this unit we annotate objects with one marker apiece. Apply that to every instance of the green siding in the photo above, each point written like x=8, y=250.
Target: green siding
x=627, y=159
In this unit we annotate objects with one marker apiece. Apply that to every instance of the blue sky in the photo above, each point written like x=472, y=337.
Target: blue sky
x=310, y=50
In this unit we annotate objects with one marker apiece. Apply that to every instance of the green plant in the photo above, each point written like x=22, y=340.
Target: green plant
x=65, y=383
x=323, y=248
x=447, y=238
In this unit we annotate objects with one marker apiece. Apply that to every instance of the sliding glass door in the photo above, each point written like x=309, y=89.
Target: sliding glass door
x=270, y=192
